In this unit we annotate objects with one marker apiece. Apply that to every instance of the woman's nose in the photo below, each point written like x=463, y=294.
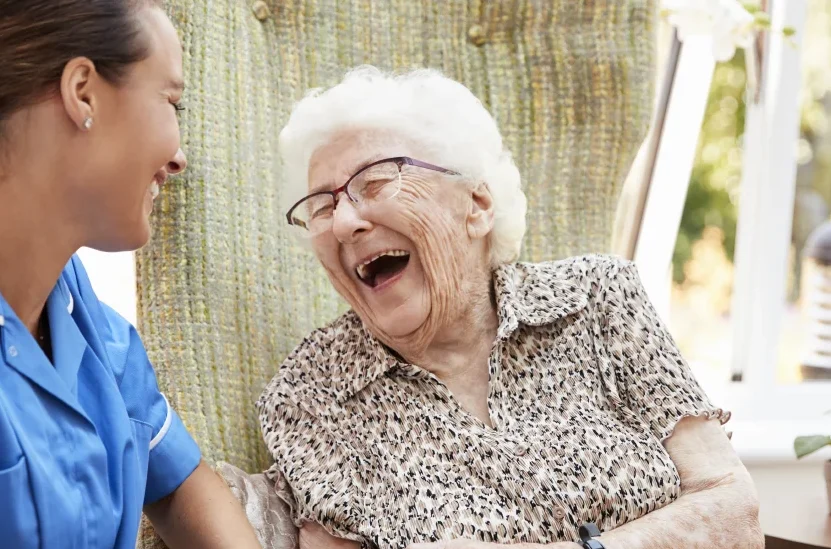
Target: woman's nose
x=348, y=225
x=177, y=164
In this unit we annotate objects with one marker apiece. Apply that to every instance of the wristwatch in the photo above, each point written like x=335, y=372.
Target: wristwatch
x=587, y=532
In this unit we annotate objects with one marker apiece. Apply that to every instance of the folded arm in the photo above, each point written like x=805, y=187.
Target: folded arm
x=718, y=507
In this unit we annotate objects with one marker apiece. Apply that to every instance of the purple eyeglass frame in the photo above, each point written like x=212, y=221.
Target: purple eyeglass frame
x=400, y=160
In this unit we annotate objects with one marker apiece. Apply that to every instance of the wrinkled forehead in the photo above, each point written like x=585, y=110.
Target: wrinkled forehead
x=347, y=151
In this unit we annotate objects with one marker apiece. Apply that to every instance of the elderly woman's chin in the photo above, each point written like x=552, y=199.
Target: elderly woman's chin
x=399, y=321
x=395, y=306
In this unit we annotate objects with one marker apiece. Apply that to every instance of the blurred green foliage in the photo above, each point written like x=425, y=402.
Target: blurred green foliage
x=712, y=199
x=714, y=183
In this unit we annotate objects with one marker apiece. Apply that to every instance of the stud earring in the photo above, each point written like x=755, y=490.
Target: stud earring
x=87, y=122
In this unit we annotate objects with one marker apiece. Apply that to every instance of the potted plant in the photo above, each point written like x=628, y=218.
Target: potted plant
x=804, y=446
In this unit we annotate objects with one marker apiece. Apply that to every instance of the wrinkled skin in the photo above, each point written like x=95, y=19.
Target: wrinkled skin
x=442, y=221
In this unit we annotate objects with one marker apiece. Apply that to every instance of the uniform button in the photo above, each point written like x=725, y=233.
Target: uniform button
x=12, y=351
x=260, y=9
x=559, y=513
x=520, y=450
x=476, y=34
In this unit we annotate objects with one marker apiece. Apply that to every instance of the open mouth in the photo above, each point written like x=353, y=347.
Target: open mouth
x=382, y=267
x=157, y=183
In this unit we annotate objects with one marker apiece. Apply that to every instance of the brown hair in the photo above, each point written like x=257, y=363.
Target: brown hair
x=39, y=37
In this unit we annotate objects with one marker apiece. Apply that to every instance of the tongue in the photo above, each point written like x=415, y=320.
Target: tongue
x=382, y=277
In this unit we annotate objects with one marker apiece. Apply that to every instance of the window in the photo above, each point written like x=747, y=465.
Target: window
x=113, y=277
x=732, y=292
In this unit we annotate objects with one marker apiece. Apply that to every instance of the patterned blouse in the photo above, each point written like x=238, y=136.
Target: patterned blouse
x=585, y=384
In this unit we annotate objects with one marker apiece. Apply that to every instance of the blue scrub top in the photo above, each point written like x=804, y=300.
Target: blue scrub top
x=86, y=442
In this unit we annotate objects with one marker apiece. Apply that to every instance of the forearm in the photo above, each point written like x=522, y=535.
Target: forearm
x=724, y=516
x=203, y=513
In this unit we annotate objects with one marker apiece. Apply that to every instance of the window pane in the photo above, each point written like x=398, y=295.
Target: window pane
x=702, y=270
x=802, y=350
x=702, y=264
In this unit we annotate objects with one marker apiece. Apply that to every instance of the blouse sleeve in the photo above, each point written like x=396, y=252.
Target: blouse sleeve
x=653, y=379
x=310, y=472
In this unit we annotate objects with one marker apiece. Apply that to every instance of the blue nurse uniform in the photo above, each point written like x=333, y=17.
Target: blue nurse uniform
x=85, y=440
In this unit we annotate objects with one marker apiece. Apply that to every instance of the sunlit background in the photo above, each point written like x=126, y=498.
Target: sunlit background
x=702, y=265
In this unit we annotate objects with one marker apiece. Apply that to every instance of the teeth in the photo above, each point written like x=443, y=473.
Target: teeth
x=363, y=268
x=154, y=189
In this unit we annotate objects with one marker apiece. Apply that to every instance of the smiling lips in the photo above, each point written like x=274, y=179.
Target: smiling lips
x=156, y=186
x=382, y=267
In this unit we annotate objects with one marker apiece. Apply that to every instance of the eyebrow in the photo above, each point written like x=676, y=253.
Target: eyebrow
x=321, y=188
x=363, y=164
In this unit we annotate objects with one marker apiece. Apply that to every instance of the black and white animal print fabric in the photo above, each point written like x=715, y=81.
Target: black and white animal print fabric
x=585, y=384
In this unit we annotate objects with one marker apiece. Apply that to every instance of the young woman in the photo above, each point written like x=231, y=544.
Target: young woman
x=89, y=91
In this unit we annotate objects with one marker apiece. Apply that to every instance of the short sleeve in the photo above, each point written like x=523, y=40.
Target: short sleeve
x=310, y=472
x=174, y=454
x=653, y=378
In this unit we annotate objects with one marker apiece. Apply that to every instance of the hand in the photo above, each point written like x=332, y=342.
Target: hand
x=470, y=544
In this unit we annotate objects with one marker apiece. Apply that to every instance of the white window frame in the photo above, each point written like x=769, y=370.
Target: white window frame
x=767, y=415
x=680, y=111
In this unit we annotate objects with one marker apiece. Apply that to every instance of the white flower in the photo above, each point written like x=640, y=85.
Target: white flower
x=727, y=21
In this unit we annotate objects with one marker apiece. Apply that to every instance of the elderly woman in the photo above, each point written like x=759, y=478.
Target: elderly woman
x=468, y=401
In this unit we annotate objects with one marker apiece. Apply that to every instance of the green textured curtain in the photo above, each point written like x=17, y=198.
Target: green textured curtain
x=224, y=291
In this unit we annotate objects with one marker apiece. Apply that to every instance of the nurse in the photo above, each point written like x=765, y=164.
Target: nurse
x=89, y=93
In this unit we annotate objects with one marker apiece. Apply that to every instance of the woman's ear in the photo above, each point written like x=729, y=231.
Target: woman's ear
x=480, y=215
x=77, y=82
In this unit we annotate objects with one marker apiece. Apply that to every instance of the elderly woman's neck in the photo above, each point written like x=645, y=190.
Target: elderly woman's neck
x=458, y=354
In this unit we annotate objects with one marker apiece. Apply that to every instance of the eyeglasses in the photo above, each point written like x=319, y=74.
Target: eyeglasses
x=374, y=183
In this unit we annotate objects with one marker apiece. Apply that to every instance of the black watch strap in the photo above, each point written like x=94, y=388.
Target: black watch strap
x=587, y=532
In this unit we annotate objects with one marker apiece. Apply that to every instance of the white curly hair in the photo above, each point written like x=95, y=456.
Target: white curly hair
x=426, y=107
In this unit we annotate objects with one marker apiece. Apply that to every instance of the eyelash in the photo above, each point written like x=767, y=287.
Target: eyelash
x=178, y=107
